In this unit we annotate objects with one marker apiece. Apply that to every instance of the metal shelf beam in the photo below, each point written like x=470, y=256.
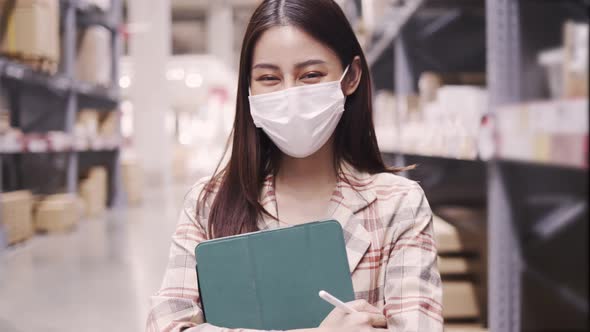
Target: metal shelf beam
x=72, y=94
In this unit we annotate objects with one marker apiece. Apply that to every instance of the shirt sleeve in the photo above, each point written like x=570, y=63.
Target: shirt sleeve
x=413, y=292
x=176, y=306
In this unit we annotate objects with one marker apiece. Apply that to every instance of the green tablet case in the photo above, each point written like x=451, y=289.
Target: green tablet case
x=270, y=280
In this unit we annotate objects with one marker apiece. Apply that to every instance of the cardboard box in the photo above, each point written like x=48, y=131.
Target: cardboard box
x=109, y=124
x=57, y=213
x=132, y=174
x=16, y=215
x=575, y=69
x=93, y=190
x=30, y=29
x=460, y=300
x=449, y=241
x=465, y=327
x=453, y=265
x=89, y=120
x=94, y=60
x=554, y=132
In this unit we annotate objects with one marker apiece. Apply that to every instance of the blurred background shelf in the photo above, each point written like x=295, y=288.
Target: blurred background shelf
x=19, y=75
x=549, y=165
x=45, y=98
x=503, y=85
x=97, y=97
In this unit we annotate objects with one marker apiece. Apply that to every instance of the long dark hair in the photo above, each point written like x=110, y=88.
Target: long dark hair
x=236, y=208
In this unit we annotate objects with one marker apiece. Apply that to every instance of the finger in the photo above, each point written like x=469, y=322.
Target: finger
x=337, y=312
x=378, y=320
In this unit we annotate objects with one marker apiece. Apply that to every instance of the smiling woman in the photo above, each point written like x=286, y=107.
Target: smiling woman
x=304, y=149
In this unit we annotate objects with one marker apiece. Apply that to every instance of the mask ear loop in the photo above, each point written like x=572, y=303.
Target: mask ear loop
x=344, y=74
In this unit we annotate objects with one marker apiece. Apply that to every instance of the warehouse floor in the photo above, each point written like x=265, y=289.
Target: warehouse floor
x=96, y=278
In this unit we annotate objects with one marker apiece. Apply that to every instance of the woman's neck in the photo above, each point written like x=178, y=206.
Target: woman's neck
x=311, y=172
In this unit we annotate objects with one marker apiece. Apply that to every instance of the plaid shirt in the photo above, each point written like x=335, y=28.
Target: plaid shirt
x=387, y=226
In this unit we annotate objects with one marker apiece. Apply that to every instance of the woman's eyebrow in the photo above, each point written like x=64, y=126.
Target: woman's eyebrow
x=309, y=63
x=265, y=66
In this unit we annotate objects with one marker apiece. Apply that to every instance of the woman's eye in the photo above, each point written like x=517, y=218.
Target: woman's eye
x=267, y=78
x=312, y=75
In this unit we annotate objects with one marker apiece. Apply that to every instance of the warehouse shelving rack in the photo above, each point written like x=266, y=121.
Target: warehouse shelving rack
x=536, y=227
x=40, y=102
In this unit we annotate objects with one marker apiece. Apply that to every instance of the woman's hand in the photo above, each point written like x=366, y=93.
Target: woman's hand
x=368, y=319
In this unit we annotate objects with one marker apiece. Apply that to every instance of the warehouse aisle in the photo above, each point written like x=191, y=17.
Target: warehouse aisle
x=97, y=278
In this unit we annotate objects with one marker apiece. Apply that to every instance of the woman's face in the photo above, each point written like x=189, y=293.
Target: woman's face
x=286, y=57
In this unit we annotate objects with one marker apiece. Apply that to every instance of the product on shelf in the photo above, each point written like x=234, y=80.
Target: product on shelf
x=447, y=127
x=460, y=300
x=16, y=215
x=384, y=120
x=464, y=327
x=93, y=133
x=93, y=63
x=567, y=66
x=132, y=174
x=4, y=123
x=93, y=190
x=460, y=264
x=109, y=129
x=88, y=119
x=36, y=143
x=554, y=132
x=552, y=60
x=11, y=141
x=575, y=60
x=57, y=213
x=449, y=241
x=449, y=265
x=109, y=126
x=59, y=141
x=428, y=84
x=86, y=130
x=4, y=115
x=30, y=32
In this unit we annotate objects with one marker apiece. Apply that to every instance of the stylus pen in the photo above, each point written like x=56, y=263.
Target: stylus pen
x=335, y=302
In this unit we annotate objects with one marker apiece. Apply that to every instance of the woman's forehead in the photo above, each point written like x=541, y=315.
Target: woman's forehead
x=287, y=46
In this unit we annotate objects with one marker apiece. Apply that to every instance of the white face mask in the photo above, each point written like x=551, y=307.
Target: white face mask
x=300, y=120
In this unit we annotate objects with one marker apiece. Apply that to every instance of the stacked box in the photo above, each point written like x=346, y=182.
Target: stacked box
x=575, y=69
x=553, y=132
x=460, y=300
x=464, y=327
x=16, y=211
x=57, y=213
x=132, y=181
x=30, y=29
x=93, y=190
x=109, y=125
x=109, y=130
x=94, y=61
x=458, y=265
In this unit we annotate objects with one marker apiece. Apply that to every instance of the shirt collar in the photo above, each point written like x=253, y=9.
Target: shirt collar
x=352, y=194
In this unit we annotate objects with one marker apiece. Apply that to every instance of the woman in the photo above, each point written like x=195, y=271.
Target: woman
x=304, y=149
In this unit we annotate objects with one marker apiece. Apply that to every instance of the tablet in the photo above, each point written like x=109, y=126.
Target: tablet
x=270, y=280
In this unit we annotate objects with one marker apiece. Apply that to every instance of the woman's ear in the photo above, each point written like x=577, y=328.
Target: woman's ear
x=353, y=77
